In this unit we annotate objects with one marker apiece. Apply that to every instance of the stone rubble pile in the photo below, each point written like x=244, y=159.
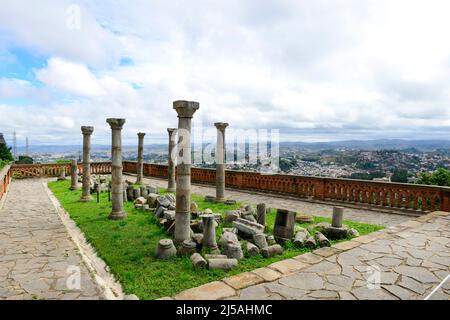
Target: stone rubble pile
x=242, y=236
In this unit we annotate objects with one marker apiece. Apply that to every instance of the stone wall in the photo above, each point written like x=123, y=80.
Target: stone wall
x=410, y=198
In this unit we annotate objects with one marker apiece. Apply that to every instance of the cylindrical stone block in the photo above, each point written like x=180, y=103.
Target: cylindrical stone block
x=261, y=211
x=310, y=242
x=74, y=175
x=338, y=216
x=223, y=264
x=233, y=250
x=118, y=212
x=188, y=248
x=198, y=261
x=140, y=159
x=322, y=240
x=252, y=250
x=272, y=251
x=300, y=238
x=185, y=110
x=165, y=249
x=215, y=256
x=209, y=231
x=86, y=189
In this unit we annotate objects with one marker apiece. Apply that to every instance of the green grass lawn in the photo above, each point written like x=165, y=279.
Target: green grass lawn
x=128, y=246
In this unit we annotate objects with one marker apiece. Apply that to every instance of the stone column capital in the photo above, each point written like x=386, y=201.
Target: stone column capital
x=141, y=135
x=116, y=123
x=186, y=109
x=221, y=126
x=87, y=130
x=171, y=130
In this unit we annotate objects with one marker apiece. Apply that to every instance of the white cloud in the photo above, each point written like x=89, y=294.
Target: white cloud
x=70, y=78
x=328, y=69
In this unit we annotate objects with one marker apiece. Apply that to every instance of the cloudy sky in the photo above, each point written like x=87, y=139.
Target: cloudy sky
x=316, y=70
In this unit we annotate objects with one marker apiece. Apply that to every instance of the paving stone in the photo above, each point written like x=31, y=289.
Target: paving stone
x=388, y=262
x=243, y=280
x=326, y=251
x=303, y=281
x=257, y=292
x=309, y=258
x=413, y=285
x=399, y=292
x=324, y=267
x=417, y=273
x=344, y=295
x=347, y=245
x=212, y=291
x=364, y=293
x=267, y=274
x=345, y=259
x=324, y=294
x=285, y=291
x=288, y=266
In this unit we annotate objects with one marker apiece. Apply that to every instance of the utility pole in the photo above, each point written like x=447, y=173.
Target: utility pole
x=27, y=151
x=15, y=145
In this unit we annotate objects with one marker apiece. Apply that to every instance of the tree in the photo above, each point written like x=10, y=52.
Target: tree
x=24, y=160
x=400, y=175
x=440, y=177
x=5, y=153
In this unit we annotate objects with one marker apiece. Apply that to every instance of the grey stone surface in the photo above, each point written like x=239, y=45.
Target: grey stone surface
x=37, y=256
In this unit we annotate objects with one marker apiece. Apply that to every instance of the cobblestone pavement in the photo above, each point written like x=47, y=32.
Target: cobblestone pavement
x=404, y=262
x=37, y=257
x=361, y=215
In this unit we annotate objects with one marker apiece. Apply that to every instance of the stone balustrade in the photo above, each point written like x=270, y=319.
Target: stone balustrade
x=5, y=180
x=53, y=170
x=410, y=198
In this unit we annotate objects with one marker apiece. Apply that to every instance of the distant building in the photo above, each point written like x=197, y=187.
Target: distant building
x=385, y=179
x=2, y=139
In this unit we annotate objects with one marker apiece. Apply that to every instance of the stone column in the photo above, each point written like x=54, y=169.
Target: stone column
x=140, y=159
x=338, y=216
x=74, y=175
x=86, y=189
x=116, y=184
x=171, y=160
x=209, y=231
x=220, y=161
x=185, y=110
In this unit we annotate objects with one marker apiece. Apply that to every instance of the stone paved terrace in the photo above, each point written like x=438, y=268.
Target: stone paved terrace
x=36, y=249
x=277, y=201
x=413, y=259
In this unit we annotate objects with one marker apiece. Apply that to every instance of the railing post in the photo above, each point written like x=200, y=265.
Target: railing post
x=319, y=189
x=445, y=206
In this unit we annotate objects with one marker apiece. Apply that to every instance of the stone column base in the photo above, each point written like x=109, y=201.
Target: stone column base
x=86, y=199
x=117, y=216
